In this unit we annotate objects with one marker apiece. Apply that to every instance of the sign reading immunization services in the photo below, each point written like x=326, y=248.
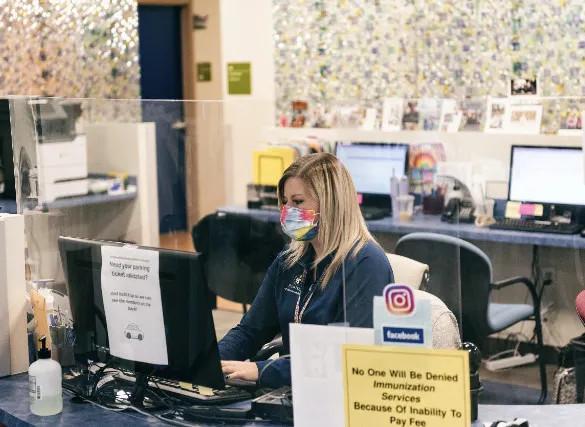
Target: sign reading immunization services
x=398, y=386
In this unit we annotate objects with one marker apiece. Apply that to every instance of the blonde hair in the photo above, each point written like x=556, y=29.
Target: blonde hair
x=342, y=228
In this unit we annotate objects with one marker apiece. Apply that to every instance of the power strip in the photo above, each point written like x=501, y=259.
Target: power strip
x=510, y=362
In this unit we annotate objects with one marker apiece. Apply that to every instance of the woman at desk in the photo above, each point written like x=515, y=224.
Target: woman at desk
x=304, y=284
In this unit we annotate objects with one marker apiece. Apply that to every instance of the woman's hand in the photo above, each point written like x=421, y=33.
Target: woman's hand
x=235, y=369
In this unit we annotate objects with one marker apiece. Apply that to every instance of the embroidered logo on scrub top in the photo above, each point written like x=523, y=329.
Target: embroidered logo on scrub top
x=295, y=286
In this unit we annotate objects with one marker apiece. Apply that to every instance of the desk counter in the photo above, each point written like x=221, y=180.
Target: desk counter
x=433, y=224
x=14, y=412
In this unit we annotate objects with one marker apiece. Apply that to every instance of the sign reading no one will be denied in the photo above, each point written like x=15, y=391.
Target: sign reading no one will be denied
x=393, y=386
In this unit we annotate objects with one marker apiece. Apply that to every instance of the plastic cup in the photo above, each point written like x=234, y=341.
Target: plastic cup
x=405, y=206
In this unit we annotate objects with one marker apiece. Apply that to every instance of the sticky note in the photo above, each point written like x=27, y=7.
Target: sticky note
x=538, y=210
x=529, y=209
x=205, y=391
x=185, y=386
x=513, y=210
x=526, y=209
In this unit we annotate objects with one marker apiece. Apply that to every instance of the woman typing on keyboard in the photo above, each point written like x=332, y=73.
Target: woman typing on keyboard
x=329, y=238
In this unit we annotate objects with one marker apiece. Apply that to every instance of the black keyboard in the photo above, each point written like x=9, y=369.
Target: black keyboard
x=185, y=392
x=371, y=213
x=192, y=393
x=535, y=226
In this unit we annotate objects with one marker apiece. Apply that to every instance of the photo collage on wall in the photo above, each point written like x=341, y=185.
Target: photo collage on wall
x=518, y=114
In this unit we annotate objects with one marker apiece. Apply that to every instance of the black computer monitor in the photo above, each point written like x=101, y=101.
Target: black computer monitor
x=547, y=175
x=371, y=165
x=6, y=156
x=189, y=330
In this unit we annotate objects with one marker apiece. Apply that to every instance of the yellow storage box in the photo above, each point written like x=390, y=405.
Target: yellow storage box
x=270, y=163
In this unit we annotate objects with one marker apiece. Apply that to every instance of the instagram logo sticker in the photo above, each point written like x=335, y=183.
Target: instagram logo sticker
x=399, y=299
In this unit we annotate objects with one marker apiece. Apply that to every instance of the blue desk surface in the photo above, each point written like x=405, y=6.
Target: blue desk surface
x=14, y=412
x=433, y=224
x=7, y=206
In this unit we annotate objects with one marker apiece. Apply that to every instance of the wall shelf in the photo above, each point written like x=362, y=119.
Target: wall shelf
x=357, y=134
x=90, y=199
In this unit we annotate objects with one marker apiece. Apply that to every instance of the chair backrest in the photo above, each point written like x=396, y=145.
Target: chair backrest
x=237, y=250
x=460, y=275
x=408, y=271
x=580, y=306
x=444, y=324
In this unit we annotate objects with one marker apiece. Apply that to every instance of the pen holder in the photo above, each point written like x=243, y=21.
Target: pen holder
x=433, y=204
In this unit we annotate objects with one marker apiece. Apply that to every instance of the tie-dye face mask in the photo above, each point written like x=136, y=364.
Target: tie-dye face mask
x=299, y=224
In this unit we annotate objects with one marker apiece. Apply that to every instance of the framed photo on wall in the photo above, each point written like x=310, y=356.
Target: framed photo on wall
x=496, y=113
x=411, y=115
x=450, y=116
x=524, y=86
x=392, y=114
x=472, y=111
x=570, y=120
x=430, y=113
x=523, y=119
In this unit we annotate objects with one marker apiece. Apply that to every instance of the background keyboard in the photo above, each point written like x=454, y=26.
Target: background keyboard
x=372, y=213
x=535, y=226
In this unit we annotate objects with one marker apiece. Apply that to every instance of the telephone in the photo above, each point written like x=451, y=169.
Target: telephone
x=458, y=211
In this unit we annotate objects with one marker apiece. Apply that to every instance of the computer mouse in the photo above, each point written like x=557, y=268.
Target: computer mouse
x=234, y=382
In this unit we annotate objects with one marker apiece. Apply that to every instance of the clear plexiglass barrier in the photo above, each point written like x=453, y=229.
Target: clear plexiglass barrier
x=162, y=223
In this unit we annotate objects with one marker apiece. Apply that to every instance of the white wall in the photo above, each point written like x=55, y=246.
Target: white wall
x=246, y=30
x=207, y=44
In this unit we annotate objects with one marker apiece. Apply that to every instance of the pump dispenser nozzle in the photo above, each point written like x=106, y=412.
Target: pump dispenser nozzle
x=44, y=352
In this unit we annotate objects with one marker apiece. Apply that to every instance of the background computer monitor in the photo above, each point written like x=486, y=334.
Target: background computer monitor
x=190, y=334
x=371, y=165
x=547, y=175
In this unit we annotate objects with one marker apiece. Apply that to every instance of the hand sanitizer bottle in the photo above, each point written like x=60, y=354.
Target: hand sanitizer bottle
x=394, y=192
x=44, y=381
x=394, y=185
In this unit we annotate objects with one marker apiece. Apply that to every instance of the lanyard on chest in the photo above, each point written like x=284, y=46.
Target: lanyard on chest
x=303, y=303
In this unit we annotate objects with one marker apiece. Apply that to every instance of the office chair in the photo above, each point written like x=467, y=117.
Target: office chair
x=461, y=276
x=237, y=250
x=408, y=271
x=580, y=306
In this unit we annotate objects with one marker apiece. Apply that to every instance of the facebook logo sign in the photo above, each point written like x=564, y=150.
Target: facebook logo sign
x=402, y=335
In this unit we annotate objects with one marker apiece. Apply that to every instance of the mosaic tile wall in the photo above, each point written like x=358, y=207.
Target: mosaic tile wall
x=81, y=48
x=335, y=51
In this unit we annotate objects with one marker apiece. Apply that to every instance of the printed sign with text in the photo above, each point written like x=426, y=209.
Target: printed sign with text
x=402, y=319
x=133, y=305
x=397, y=386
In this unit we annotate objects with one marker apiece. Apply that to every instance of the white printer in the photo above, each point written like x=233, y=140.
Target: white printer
x=62, y=154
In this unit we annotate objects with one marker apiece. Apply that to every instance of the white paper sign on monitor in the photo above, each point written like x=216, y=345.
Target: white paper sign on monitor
x=133, y=306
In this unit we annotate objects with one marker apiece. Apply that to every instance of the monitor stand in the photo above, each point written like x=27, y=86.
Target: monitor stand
x=85, y=387
x=138, y=398
x=139, y=390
